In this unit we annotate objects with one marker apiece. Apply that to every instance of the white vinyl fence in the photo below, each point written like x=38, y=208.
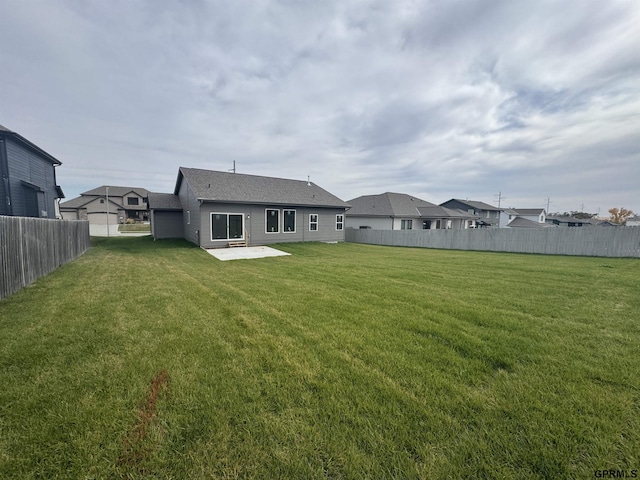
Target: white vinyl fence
x=583, y=241
x=33, y=247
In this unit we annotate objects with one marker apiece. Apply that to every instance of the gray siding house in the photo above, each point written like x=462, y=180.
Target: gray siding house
x=399, y=211
x=218, y=209
x=488, y=215
x=107, y=207
x=28, y=186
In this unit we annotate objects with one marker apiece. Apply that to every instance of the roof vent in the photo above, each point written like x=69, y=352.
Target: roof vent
x=309, y=180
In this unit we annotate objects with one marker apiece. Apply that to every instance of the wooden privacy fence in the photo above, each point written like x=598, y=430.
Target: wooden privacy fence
x=33, y=247
x=584, y=241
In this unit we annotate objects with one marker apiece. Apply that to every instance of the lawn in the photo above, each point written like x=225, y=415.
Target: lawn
x=155, y=360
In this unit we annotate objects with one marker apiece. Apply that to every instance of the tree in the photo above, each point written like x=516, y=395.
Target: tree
x=620, y=215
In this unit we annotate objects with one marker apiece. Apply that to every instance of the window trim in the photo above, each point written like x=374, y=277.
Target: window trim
x=266, y=217
x=316, y=223
x=340, y=222
x=211, y=214
x=295, y=220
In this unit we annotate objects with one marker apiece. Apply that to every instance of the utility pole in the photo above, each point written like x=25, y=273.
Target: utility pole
x=500, y=198
x=548, y=202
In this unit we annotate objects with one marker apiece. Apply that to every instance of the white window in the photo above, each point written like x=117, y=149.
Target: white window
x=339, y=222
x=406, y=224
x=227, y=226
x=272, y=220
x=313, y=222
x=289, y=221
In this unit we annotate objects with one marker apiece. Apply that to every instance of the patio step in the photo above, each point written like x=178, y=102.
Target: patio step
x=238, y=244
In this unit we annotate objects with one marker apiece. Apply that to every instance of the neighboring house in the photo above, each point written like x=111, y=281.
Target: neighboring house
x=633, y=221
x=218, y=209
x=28, y=186
x=488, y=215
x=569, y=221
x=399, y=211
x=108, y=206
x=526, y=218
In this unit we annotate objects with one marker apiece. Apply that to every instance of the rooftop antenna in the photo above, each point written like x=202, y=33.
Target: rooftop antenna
x=234, y=167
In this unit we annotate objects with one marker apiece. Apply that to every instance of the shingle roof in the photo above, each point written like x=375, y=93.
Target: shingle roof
x=388, y=204
x=116, y=191
x=478, y=205
x=526, y=223
x=443, y=212
x=209, y=185
x=528, y=211
x=5, y=132
x=164, y=201
x=76, y=202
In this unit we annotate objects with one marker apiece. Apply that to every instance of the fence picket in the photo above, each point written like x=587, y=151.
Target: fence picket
x=33, y=247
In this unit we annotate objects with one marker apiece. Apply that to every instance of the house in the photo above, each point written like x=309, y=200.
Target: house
x=218, y=209
x=526, y=218
x=566, y=221
x=488, y=215
x=633, y=221
x=28, y=187
x=108, y=206
x=399, y=211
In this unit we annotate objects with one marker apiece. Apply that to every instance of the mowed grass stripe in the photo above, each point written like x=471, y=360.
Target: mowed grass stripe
x=339, y=361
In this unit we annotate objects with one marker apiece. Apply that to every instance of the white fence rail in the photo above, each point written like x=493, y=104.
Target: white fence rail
x=33, y=247
x=585, y=241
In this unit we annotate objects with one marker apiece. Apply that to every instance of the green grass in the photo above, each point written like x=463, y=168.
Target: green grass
x=134, y=227
x=155, y=360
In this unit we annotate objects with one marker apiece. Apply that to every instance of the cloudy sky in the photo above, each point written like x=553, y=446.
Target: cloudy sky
x=538, y=101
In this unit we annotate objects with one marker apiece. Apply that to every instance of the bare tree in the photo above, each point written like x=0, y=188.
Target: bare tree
x=620, y=215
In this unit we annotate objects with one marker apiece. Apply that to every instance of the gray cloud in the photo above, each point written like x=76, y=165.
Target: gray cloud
x=438, y=99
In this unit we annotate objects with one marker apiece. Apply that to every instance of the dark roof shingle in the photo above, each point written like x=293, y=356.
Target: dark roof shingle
x=209, y=185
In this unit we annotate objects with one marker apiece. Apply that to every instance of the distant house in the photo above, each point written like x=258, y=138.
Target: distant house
x=526, y=218
x=633, y=221
x=567, y=221
x=28, y=186
x=108, y=206
x=488, y=215
x=399, y=211
x=219, y=209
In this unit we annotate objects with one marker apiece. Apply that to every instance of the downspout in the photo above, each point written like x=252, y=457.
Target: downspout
x=4, y=172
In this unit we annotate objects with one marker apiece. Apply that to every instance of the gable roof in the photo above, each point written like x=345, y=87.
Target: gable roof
x=116, y=191
x=164, y=201
x=213, y=186
x=477, y=205
x=438, y=211
x=527, y=211
x=82, y=201
x=526, y=223
x=388, y=204
x=6, y=133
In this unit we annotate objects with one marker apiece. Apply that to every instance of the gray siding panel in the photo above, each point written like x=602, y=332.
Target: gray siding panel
x=29, y=167
x=255, y=224
x=190, y=218
x=166, y=224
